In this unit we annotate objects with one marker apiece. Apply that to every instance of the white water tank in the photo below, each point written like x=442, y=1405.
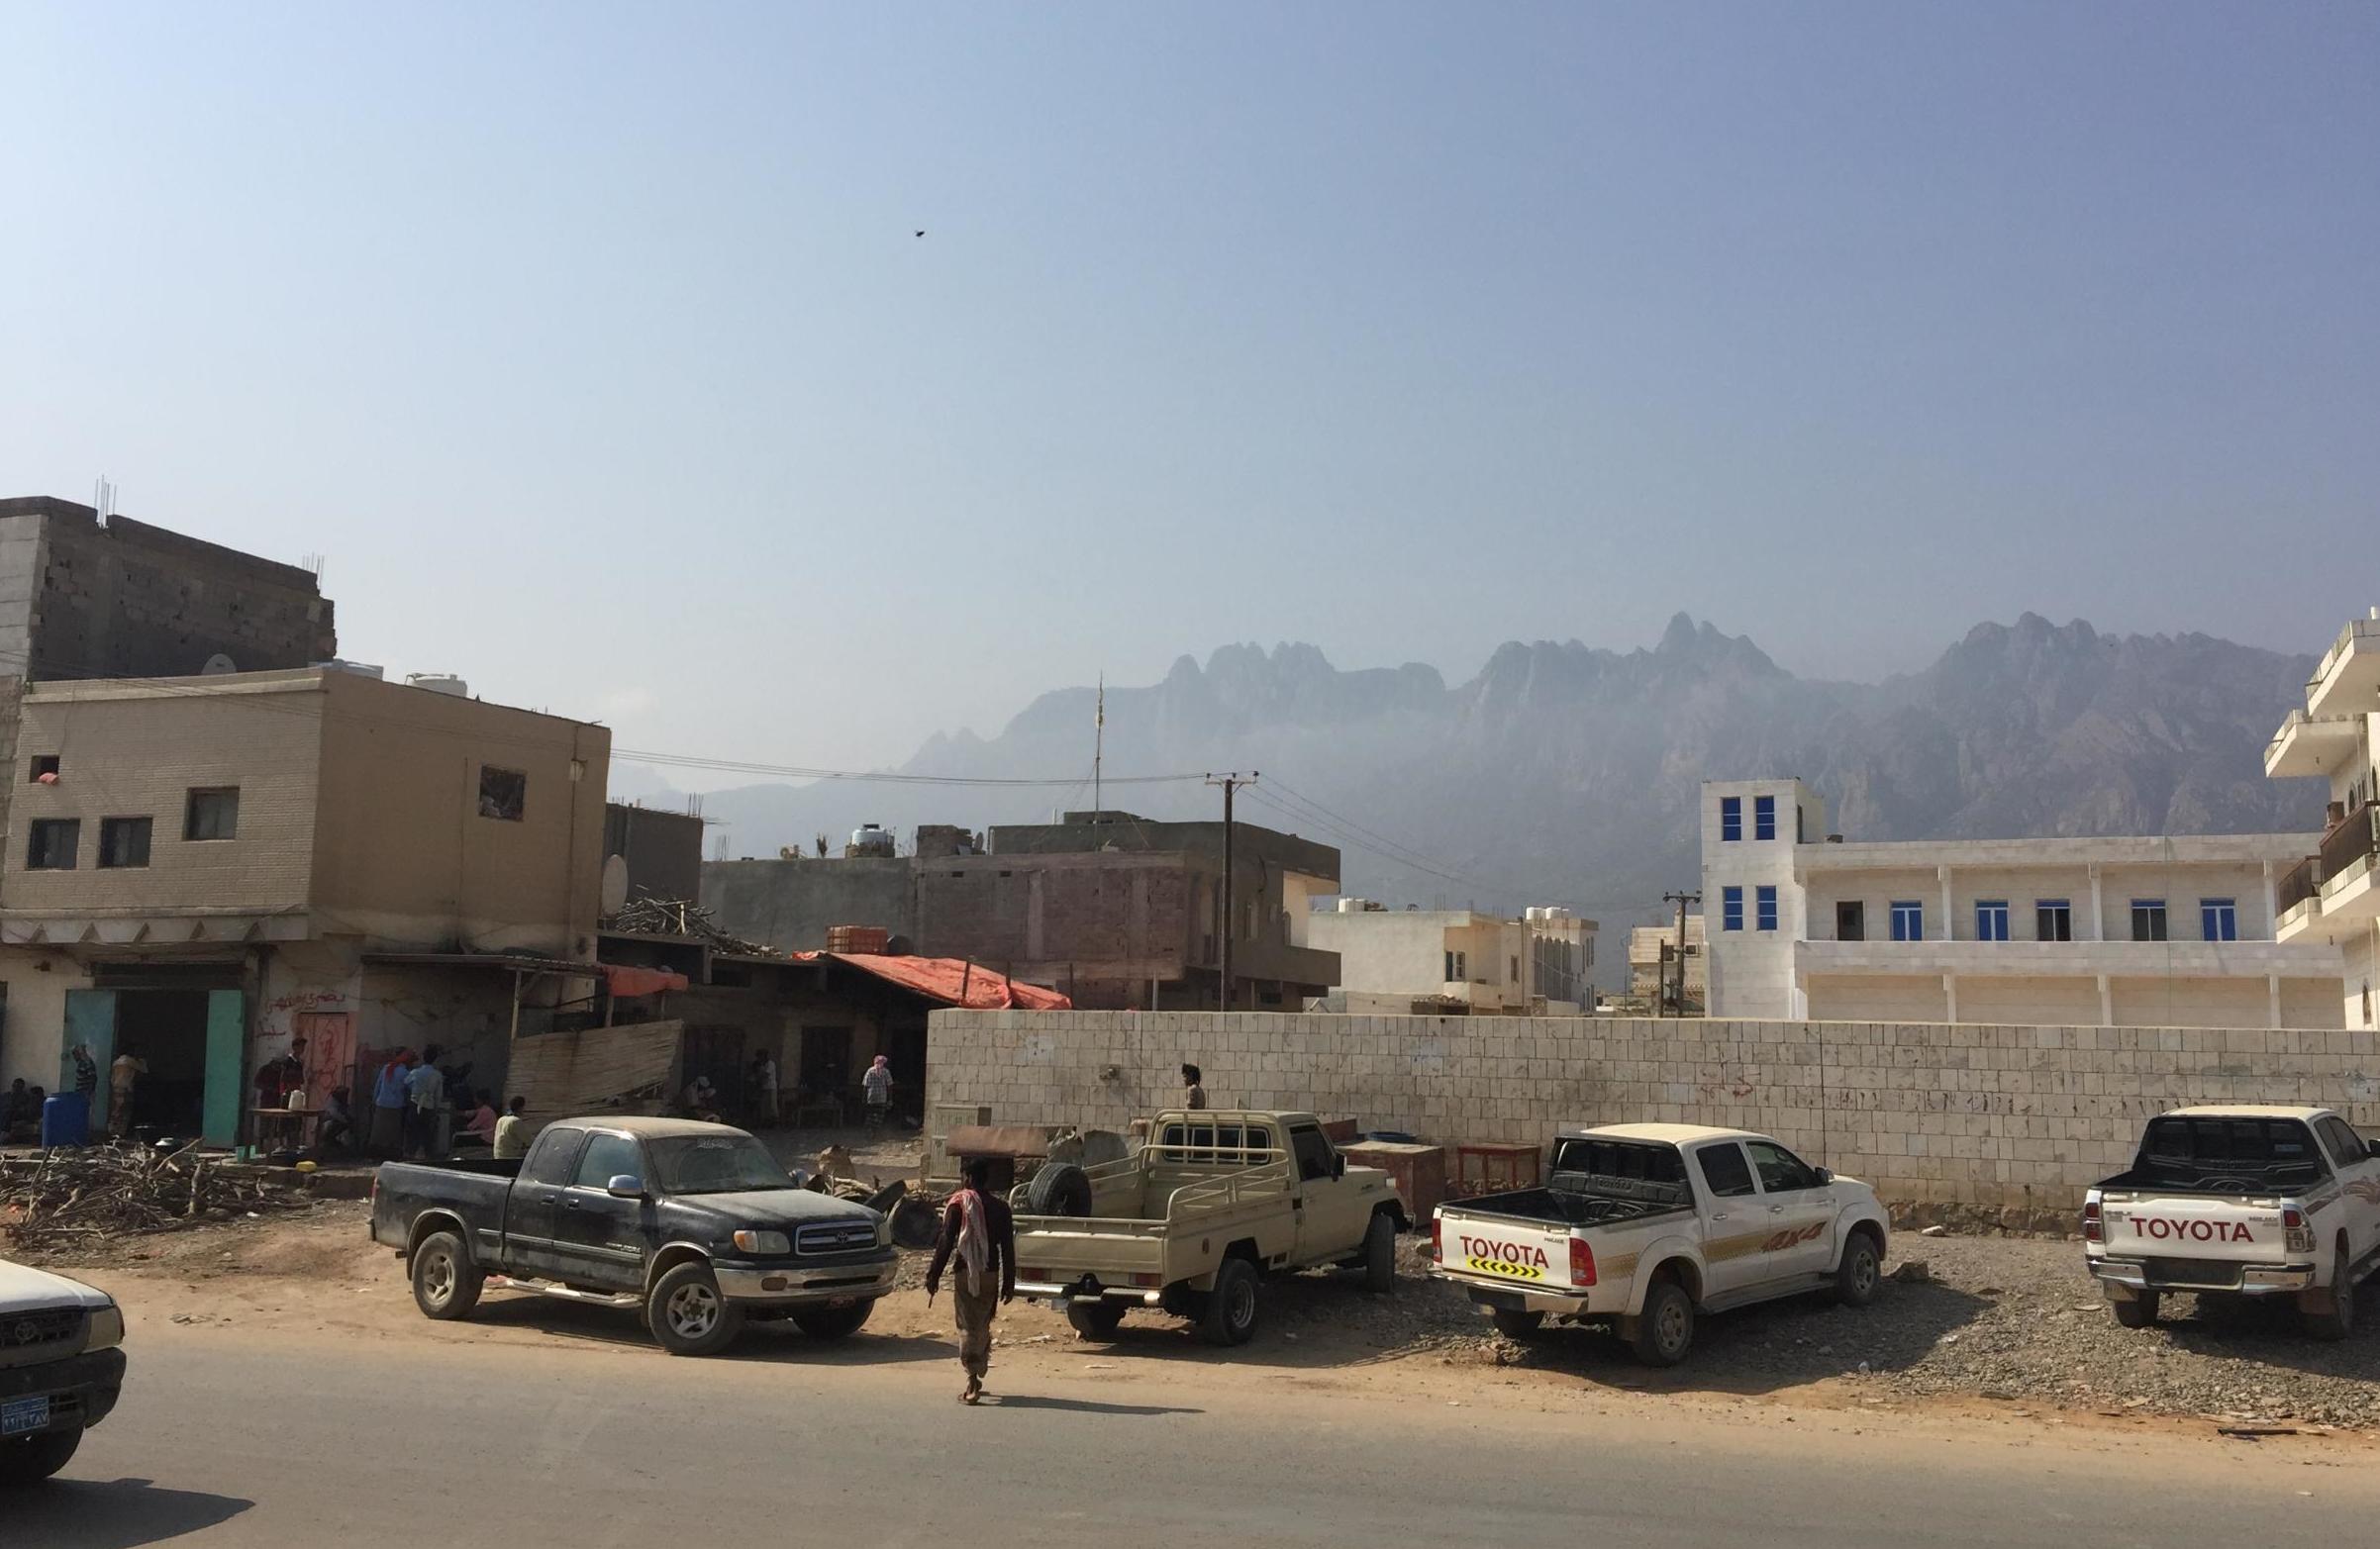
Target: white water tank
x=438, y=683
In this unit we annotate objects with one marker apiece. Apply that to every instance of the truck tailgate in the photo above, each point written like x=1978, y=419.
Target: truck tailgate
x=2211, y=1228
x=1057, y=1249
x=1521, y=1252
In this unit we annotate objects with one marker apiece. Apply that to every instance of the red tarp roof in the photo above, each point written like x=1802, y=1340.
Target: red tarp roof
x=628, y=981
x=943, y=978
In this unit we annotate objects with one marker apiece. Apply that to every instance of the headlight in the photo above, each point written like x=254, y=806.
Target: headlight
x=762, y=1242
x=105, y=1328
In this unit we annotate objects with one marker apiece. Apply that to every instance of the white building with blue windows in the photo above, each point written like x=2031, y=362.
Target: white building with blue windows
x=2155, y=933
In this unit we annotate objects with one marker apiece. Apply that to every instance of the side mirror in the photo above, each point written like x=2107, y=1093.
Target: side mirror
x=1339, y=1165
x=1825, y=1177
x=2372, y=1148
x=624, y=1186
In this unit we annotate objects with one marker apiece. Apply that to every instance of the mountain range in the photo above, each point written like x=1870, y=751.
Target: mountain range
x=1562, y=774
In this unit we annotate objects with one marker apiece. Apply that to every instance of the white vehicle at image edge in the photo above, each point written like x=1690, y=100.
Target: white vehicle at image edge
x=61, y=1365
x=2240, y=1202
x=1647, y=1226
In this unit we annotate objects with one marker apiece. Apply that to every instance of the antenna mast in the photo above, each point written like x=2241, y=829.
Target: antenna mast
x=1099, y=742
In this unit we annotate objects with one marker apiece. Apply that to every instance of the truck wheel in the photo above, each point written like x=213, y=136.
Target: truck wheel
x=1231, y=1315
x=1380, y=1255
x=445, y=1282
x=2339, y=1320
x=1514, y=1323
x=1664, y=1331
x=688, y=1316
x=1059, y=1189
x=28, y=1460
x=832, y=1323
x=2139, y=1312
x=1095, y=1320
x=1856, y=1276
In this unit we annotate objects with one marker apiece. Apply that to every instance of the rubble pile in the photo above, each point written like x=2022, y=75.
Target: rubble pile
x=656, y=916
x=62, y=1196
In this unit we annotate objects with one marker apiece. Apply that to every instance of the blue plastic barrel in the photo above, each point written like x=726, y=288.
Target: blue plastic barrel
x=66, y=1119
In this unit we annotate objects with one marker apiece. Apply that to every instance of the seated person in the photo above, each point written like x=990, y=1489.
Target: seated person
x=479, y=1121
x=335, y=1131
x=20, y=1119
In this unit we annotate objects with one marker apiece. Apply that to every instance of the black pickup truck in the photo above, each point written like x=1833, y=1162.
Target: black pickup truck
x=696, y=1224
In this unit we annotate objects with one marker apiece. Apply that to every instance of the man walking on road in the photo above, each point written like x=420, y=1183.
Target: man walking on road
x=980, y=1232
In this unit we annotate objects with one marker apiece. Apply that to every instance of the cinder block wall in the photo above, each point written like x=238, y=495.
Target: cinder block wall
x=1997, y=1118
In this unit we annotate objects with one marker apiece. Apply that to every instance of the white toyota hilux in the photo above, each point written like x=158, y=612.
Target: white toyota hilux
x=61, y=1365
x=2239, y=1202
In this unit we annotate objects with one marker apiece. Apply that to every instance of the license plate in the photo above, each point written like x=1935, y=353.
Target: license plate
x=24, y=1415
x=840, y=1302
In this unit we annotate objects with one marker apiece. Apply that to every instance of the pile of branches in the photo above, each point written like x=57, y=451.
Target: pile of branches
x=659, y=917
x=63, y=1196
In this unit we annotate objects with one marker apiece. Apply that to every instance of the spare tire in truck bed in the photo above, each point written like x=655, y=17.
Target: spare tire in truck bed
x=1059, y=1189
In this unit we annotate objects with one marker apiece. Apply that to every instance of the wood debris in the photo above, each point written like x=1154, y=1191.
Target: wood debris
x=61, y=1196
x=655, y=917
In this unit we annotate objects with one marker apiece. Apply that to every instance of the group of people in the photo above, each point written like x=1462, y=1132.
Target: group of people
x=700, y=1098
x=21, y=1114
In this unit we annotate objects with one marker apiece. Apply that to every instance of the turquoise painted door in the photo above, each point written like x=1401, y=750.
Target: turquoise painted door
x=226, y=1039
x=90, y=1020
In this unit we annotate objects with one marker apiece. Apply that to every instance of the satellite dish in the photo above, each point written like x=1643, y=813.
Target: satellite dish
x=217, y=665
x=615, y=884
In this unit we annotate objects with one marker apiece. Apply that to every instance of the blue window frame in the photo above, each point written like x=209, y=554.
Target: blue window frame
x=1764, y=908
x=1909, y=921
x=1731, y=909
x=1991, y=920
x=1730, y=818
x=2218, y=919
x=1764, y=817
x=2052, y=919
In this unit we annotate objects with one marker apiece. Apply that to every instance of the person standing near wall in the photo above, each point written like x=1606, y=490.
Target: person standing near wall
x=765, y=1089
x=426, y=1112
x=1194, y=1088
x=876, y=1088
x=387, y=1138
x=124, y=1079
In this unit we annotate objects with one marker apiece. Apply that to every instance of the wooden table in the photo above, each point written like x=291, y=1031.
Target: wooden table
x=295, y=1117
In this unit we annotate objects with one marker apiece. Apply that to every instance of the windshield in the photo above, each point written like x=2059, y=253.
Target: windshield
x=714, y=1164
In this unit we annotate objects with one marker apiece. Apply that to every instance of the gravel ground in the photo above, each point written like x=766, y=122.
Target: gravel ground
x=2013, y=1320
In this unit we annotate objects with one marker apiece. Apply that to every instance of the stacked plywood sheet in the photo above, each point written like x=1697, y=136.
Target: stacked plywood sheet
x=597, y=1070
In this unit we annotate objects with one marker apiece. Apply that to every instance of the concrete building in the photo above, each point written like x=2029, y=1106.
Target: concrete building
x=1647, y=965
x=1113, y=910
x=2331, y=895
x=1439, y=962
x=203, y=867
x=2164, y=932
x=660, y=851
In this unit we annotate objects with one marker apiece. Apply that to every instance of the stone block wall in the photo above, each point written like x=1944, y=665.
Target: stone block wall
x=1942, y=1117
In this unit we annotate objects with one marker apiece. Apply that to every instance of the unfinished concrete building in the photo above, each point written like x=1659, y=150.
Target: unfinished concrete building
x=1116, y=911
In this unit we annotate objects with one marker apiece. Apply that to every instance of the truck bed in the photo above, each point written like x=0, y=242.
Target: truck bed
x=1559, y=1207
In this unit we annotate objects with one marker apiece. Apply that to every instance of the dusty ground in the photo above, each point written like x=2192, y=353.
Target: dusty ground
x=2006, y=1326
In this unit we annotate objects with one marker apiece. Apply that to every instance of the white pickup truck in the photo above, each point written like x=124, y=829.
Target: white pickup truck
x=1647, y=1225
x=62, y=1366
x=2239, y=1202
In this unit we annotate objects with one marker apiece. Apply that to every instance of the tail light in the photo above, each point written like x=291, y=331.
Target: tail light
x=1438, y=1241
x=2094, y=1228
x=2297, y=1233
x=1582, y=1262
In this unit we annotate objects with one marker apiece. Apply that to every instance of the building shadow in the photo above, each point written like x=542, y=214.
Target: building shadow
x=122, y=1513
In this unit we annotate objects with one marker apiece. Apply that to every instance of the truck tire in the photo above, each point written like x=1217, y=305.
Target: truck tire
x=834, y=1322
x=688, y=1317
x=2139, y=1312
x=1380, y=1254
x=29, y=1460
x=1515, y=1323
x=1664, y=1331
x=1095, y=1320
x=1059, y=1189
x=445, y=1282
x=1860, y=1271
x=2339, y=1320
x=1231, y=1315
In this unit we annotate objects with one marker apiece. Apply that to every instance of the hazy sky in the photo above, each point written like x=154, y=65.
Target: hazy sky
x=592, y=347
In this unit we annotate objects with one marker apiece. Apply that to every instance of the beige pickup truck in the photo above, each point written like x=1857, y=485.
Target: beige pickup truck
x=1193, y=1222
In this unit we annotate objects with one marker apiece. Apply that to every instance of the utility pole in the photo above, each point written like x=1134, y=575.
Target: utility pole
x=1099, y=744
x=1681, y=900
x=1229, y=783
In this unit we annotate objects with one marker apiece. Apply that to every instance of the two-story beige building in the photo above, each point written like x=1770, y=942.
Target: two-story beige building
x=200, y=869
